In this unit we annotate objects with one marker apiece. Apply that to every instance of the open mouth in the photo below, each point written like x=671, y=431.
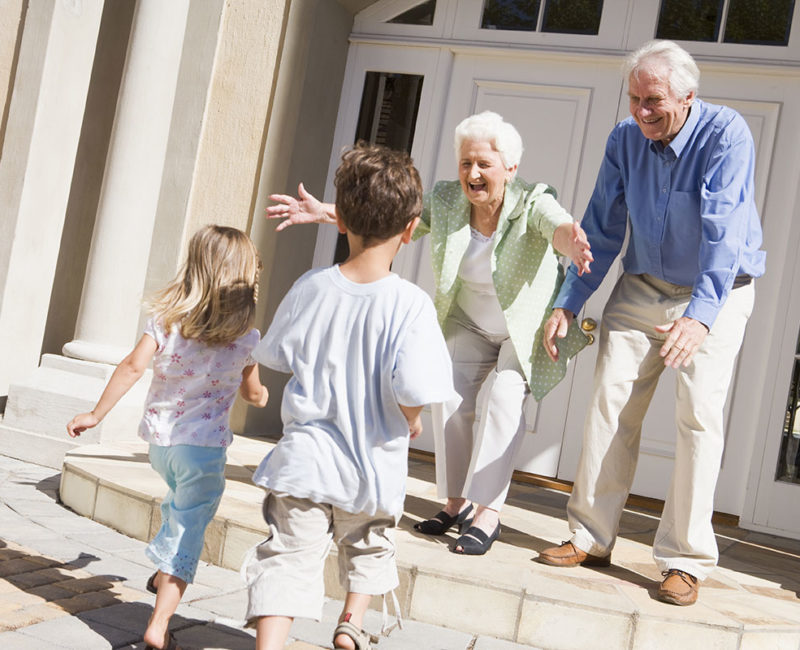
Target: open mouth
x=477, y=187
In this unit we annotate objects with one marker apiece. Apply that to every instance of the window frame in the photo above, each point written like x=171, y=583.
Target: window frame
x=644, y=21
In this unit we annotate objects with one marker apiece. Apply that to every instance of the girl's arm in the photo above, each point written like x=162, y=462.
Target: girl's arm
x=126, y=374
x=414, y=419
x=251, y=389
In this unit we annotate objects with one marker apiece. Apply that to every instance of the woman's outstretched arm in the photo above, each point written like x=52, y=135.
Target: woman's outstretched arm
x=305, y=208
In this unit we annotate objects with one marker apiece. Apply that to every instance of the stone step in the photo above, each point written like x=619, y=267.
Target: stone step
x=750, y=602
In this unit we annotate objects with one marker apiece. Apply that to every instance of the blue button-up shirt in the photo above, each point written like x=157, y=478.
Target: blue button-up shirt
x=693, y=219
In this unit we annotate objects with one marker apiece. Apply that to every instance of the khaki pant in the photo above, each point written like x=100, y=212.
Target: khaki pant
x=476, y=447
x=284, y=573
x=628, y=368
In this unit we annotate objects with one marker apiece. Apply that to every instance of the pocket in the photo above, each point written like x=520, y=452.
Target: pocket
x=683, y=226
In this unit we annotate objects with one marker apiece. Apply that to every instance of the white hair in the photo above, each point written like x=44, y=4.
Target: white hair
x=490, y=127
x=684, y=75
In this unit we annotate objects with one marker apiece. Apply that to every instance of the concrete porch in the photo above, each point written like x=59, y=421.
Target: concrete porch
x=752, y=601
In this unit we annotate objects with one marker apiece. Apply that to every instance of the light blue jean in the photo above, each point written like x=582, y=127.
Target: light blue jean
x=196, y=479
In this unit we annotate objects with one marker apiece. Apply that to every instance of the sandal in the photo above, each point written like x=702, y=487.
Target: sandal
x=475, y=541
x=172, y=644
x=362, y=639
x=441, y=522
x=151, y=584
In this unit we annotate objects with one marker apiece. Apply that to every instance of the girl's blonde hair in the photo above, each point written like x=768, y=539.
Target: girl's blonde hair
x=213, y=297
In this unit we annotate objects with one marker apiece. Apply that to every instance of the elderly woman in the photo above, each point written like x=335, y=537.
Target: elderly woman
x=497, y=273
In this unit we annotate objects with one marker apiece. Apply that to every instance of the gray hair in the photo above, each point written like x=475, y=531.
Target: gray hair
x=684, y=75
x=490, y=127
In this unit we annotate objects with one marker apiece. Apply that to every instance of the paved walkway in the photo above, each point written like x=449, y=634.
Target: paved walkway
x=69, y=582
x=750, y=602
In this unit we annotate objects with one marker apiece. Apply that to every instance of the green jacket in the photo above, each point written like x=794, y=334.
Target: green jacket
x=525, y=268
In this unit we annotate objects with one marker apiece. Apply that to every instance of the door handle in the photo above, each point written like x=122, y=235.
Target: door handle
x=589, y=325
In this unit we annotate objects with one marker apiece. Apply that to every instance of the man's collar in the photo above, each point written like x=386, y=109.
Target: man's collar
x=679, y=143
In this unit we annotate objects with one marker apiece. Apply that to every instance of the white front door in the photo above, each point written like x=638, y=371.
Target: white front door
x=563, y=107
x=758, y=94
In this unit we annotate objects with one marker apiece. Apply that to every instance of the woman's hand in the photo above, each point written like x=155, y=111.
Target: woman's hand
x=556, y=326
x=571, y=240
x=304, y=209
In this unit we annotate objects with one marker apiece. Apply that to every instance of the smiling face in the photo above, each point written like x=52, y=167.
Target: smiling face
x=482, y=174
x=658, y=112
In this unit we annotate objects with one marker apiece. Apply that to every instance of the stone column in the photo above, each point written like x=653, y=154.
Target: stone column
x=40, y=405
x=45, y=114
x=108, y=320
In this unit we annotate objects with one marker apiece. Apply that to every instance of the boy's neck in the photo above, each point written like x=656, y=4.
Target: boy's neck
x=369, y=264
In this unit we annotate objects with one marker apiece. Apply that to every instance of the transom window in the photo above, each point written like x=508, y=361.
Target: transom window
x=560, y=16
x=754, y=22
x=421, y=14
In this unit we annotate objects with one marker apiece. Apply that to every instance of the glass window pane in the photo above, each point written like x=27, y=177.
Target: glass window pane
x=422, y=14
x=572, y=16
x=689, y=20
x=761, y=22
x=388, y=116
x=517, y=15
x=789, y=456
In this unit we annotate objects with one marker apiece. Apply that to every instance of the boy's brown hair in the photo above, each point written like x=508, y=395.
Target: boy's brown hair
x=378, y=191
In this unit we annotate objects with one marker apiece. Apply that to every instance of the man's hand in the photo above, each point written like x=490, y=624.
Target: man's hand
x=556, y=326
x=685, y=336
x=304, y=209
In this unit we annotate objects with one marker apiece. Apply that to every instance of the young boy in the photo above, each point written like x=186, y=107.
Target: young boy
x=366, y=353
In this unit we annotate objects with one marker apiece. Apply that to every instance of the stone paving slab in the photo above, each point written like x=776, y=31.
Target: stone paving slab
x=88, y=596
x=750, y=602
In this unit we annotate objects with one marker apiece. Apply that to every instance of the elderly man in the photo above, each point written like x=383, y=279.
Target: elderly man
x=679, y=172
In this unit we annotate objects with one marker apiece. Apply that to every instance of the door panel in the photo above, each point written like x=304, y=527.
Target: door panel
x=563, y=108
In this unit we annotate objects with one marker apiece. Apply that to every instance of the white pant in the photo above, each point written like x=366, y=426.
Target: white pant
x=628, y=368
x=475, y=448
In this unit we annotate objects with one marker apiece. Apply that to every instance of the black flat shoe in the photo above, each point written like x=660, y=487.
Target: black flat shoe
x=441, y=522
x=151, y=583
x=475, y=541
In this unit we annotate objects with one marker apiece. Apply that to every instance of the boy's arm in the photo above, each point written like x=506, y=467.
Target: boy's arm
x=126, y=374
x=412, y=414
x=251, y=389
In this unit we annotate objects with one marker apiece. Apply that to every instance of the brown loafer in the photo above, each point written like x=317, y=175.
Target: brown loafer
x=678, y=587
x=569, y=555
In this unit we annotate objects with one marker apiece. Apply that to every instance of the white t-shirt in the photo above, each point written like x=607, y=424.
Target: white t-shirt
x=477, y=295
x=193, y=388
x=355, y=352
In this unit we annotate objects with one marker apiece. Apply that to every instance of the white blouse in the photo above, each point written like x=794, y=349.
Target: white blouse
x=477, y=296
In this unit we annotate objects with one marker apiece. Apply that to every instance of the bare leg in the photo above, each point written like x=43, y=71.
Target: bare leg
x=355, y=605
x=272, y=632
x=170, y=591
x=454, y=505
x=486, y=519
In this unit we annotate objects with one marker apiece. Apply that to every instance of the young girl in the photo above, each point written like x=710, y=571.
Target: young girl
x=199, y=338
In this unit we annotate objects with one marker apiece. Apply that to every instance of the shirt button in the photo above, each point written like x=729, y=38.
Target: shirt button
x=663, y=190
